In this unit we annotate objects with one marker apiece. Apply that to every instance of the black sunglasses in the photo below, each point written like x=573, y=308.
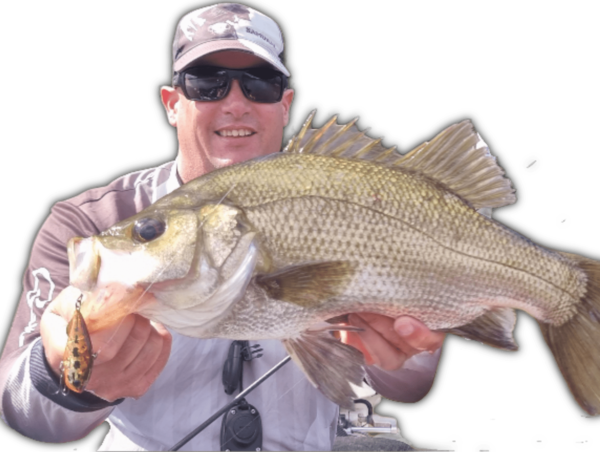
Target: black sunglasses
x=210, y=83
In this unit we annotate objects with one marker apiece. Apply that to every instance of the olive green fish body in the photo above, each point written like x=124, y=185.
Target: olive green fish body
x=416, y=248
x=337, y=224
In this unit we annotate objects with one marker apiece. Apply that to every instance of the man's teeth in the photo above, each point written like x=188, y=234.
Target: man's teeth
x=235, y=133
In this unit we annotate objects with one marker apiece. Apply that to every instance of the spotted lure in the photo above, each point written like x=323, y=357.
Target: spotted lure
x=78, y=358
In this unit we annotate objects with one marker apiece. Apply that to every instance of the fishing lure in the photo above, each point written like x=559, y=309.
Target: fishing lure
x=76, y=366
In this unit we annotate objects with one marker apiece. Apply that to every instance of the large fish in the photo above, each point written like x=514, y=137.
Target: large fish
x=334, y=224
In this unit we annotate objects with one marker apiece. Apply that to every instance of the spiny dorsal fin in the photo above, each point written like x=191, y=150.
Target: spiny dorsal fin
x=457, y=157
x=344, y=141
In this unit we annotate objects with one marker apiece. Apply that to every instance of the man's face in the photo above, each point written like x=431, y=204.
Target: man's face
x=216, y=134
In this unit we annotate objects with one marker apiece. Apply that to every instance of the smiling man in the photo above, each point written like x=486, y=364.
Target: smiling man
x=229, y=101
x=230, y=128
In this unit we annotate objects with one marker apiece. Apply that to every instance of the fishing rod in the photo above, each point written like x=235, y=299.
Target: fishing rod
x=240, y=396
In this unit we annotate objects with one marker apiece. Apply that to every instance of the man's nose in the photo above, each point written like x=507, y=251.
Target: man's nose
x=235, y=102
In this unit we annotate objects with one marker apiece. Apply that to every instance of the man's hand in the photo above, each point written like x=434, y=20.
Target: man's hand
x=388, y=342
x=131, y=354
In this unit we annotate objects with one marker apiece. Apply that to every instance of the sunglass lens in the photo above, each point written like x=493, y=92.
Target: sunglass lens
x=266, y=88
x=206, y=85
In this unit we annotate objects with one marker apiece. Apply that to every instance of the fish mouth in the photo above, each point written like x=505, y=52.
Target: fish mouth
x=84, y=263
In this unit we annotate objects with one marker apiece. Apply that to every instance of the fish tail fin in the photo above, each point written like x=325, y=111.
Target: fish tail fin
x=576, y=343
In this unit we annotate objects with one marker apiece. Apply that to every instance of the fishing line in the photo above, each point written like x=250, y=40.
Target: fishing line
x=241, y=395
x=271, y=401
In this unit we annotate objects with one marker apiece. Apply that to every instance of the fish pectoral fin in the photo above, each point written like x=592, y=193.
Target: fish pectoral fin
x=328, y=364
x=333, y=327
x=307, y=285
x=493, y=328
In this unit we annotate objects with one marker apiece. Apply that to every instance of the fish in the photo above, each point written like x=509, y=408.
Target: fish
x=336, y=223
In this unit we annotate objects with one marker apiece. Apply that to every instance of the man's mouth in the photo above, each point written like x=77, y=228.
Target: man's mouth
x=235, y=133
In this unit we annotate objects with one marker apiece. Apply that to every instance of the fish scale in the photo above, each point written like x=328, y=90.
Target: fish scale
x=274, y=247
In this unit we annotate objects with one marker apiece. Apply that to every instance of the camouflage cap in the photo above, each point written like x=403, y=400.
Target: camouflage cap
x=227, y=26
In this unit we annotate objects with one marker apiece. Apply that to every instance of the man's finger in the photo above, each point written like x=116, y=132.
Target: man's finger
x=152, y=374
x=112, y=383
x=385, y=354
x=108, y=343
x=135, y=341
x=417, y=335
x=382, y=324
x=385, y=326
x=355, y=341
x=146, y=369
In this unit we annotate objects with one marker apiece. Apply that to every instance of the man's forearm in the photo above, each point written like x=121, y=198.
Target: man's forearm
x=33, y=404
x=408, y=384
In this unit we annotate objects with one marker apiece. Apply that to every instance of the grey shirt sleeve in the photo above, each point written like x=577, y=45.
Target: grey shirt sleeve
x=31, y=400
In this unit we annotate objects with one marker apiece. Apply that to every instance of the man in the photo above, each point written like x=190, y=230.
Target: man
x=171, y=383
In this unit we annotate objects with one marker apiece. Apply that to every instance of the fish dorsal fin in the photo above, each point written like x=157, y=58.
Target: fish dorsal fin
x=344, y=141
x=460, y=159
x=457, y=157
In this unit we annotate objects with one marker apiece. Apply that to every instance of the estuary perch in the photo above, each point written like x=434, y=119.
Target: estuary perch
x=336, y=223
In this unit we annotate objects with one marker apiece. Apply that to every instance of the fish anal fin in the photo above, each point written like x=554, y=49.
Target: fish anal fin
x=494, y=328
x=328, y=364
x=307, y=285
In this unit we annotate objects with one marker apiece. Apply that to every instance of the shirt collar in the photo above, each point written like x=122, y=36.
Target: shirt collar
x=171, y=184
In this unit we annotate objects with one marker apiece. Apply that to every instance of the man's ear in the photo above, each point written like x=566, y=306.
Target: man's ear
x=286, y=103
x=170, y=100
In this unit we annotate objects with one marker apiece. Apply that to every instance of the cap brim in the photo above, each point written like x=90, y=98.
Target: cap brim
x=206, y=48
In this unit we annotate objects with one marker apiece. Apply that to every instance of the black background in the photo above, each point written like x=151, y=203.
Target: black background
x=85, y=109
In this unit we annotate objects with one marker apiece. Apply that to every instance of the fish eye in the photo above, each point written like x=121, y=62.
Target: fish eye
x=148, y=229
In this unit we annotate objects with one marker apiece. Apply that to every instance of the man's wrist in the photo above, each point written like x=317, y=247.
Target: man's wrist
x=47, y=383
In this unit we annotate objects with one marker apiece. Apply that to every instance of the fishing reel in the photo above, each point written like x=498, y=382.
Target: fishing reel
x=362, y=419
x=239, y=351
x=241, y=428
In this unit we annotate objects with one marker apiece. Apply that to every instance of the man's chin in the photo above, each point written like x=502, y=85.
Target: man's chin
x=221, y=162
x=226, y=161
